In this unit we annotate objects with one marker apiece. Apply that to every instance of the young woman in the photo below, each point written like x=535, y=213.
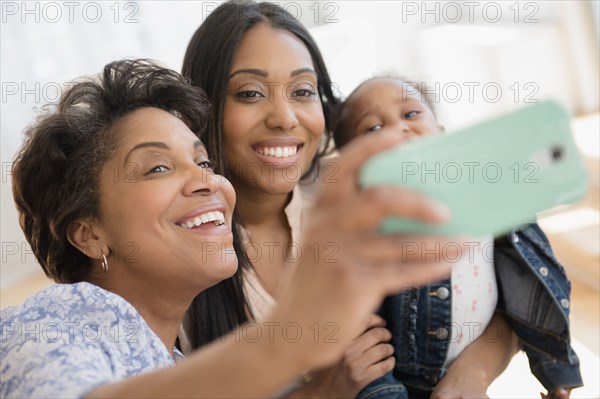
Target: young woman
x=271, y=94
x=271, y=123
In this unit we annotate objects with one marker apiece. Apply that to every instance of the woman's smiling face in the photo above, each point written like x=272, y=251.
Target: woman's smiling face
x=273, y=118
x=166, y=215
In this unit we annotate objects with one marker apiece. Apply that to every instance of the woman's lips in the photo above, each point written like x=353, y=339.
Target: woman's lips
x=278, y=154
x=209, y=222
x=215, y=217
x=209, y=229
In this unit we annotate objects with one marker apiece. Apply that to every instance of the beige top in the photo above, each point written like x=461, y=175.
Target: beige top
x=259, y=300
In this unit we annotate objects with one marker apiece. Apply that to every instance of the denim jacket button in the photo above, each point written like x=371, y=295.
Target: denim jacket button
x=442, y=293
x=441, y=333
x=516, y=239
x=544, y=271
x=565, y=303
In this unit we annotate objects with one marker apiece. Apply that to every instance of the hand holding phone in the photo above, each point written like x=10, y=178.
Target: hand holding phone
x=493, y=176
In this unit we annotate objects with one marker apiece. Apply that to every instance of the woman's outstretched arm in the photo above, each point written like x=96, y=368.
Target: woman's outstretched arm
x=323, y=295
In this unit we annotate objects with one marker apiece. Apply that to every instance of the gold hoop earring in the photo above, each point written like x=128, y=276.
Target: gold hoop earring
x=104, y=264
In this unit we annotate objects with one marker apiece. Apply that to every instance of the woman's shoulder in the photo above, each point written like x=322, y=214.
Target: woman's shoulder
x=68, y=302
x=69, y=338
x=70, y=314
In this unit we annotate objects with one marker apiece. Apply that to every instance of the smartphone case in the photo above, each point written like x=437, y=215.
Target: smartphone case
x=493, y=176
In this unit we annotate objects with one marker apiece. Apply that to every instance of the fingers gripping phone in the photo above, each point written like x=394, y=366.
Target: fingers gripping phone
x=493, y=176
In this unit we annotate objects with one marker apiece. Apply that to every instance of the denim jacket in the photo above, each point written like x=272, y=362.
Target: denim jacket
x=533, y=293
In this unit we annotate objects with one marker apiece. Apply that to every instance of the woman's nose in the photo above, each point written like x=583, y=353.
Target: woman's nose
x=282, y=113
x=203, y=181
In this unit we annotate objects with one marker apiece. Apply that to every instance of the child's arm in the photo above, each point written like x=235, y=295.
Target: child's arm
x=559, y=393
x=559, y=376
x=480, y=363
x=368, y=357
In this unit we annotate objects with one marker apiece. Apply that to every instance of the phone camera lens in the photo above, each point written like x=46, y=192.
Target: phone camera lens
x=558, y=153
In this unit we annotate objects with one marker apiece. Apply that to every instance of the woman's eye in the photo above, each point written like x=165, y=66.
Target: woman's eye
x=158, y=169
x=411, y=114
x=248, y=95
x=205, y=164
x=304, y=93
x=301, y=92
x=374, y=128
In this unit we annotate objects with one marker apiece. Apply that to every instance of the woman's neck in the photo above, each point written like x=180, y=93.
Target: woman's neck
x=259, y=208
x=162, y=313
x=164, y=319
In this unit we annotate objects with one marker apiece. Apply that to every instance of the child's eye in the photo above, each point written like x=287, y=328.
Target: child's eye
x=158, y=169
x=374, y=128
x=411, y=114
x=248, y=95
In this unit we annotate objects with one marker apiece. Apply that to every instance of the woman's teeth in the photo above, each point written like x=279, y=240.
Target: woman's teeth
x=277, y=152
x=216, y=217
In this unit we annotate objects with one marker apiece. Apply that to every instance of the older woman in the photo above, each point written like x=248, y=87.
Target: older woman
x=118, y=201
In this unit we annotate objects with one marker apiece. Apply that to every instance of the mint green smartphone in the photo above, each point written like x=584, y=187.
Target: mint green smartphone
x=493, y=176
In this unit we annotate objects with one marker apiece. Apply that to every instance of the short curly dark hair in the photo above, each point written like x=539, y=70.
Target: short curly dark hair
x=55, y=177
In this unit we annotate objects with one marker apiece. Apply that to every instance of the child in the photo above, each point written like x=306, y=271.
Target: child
x=517, y=275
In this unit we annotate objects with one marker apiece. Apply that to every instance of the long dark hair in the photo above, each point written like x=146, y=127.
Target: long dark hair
x=206, y=64
x=210, y=52
x=221, y=308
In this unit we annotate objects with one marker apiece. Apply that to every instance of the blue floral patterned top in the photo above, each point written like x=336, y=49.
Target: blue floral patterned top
x=71, y=338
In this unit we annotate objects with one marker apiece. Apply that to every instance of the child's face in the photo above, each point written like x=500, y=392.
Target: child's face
x=388, y=104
